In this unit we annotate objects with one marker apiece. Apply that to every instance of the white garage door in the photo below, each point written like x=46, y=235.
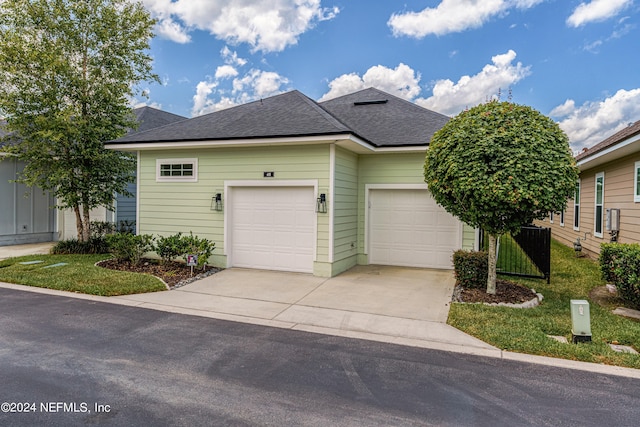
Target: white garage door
x=273, y=228
x=408, y=228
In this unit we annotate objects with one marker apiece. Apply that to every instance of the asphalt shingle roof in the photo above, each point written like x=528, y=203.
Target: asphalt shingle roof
x=150, y=118
x=287, y=114
x=373, y=115
x=384, y=119
x=617, y=137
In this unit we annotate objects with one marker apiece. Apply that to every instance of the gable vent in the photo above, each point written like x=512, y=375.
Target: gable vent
x=380, y=101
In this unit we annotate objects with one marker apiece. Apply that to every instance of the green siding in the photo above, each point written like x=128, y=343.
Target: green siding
x=345, y=214
x=166, y=208
x=393, y=168
x=468, y=237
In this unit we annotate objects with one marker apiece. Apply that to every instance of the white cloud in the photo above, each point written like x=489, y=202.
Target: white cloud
x=261, y=84
x=452, y=16
x=596, y=10
x=266, y=25
x=201, y=102
x=401, y=81
x=169, y=29
x=231, y=57
x=228, y=87
x=593, y=122
x=564, y=110
x=450, y=98
x=225, y=71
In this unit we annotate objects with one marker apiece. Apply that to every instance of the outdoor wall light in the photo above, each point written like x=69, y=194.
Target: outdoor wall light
x=216, y=202
x=321, y=203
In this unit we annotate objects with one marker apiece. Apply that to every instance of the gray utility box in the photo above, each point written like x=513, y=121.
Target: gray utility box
x=580, y=321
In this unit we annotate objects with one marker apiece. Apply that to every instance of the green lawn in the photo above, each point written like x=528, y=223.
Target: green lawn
x=79, y=274
x=526, y=330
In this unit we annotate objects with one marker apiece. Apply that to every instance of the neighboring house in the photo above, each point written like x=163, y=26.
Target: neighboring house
x=607, y=202
x=286, y=183
x=124, y=206
x=26, y=214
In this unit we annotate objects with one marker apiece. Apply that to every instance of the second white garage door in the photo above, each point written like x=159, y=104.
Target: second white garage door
x=408, y=228
x=273, y=228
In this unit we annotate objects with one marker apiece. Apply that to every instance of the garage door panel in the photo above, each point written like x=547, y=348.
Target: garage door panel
x=408, y=228
x=273, y=228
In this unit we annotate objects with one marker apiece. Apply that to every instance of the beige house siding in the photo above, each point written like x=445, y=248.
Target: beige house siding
x=618, y=194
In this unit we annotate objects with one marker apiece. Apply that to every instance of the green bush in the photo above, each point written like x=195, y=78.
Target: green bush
x=471, y=268
x=95, y=245
x=194, y=245
x=101, y=228
x=620, y=265
x=170, y=247
x=126, y=226
x=129, y=247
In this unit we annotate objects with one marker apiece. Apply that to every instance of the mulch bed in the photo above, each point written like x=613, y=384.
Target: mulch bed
x=173, y=274
x=506, y=292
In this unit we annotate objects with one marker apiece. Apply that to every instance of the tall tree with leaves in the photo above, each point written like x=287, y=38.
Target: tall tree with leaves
x=68, y=71
x=499, y=166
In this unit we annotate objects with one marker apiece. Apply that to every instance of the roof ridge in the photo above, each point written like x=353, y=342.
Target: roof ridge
x=325, y=113
x=382, y=92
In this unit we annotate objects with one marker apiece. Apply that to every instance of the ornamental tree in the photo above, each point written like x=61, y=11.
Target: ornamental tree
x=68, y=71
x=499, y=166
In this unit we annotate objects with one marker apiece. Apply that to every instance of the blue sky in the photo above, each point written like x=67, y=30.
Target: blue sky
x=576, y=61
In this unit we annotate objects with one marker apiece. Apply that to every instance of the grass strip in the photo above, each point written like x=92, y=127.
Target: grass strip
x=526, y=330
x=76, y=273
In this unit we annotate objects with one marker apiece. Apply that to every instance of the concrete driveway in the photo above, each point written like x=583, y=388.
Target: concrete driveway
x=383, y=301
x=400, y=305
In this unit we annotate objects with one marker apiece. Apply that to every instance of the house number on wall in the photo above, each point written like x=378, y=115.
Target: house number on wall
x=268, y=174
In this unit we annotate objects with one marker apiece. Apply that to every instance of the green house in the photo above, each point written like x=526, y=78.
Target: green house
x=287, y=183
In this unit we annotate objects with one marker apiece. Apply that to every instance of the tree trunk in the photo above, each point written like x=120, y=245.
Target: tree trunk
x=79, y=225
x=86, y=232
x=491, y=277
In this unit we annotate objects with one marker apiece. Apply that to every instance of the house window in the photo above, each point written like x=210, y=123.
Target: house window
x=562, y=218
x=551, y=217
x=636, y=183
x=576, y=207
x=177, y=170
x=599, y=211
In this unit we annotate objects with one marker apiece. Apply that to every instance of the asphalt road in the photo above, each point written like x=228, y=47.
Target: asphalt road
x=66, y=362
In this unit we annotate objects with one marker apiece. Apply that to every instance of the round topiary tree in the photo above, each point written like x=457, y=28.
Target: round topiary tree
x=499, y=166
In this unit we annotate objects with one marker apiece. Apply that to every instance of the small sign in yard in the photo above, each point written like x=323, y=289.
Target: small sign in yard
x=192, y=260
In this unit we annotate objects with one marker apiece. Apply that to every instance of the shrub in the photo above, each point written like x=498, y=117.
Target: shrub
x=471, y=268
x=171, y=247
x=126, y=226
x=129, y=247
x=95, y=245
x=101, y=228
x=194, y=245
x=620, y=265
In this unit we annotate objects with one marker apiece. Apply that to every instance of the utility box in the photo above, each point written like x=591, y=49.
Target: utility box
x=612, y=220
x=580, y=321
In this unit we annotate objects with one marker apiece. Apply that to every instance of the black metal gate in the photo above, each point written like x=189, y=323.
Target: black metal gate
x=526, y=254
